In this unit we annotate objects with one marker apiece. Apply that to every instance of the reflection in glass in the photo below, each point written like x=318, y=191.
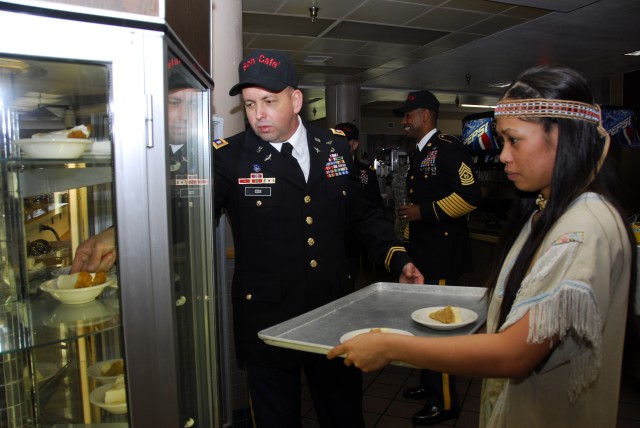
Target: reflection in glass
x=187, y=113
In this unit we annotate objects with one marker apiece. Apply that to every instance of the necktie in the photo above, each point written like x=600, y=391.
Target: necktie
x=287, y=152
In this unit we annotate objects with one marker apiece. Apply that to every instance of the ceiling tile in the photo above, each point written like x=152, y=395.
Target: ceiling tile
x=448, y=19
x=360, y=61
x=526, y=12
x=428, y=51
x=562, y=6
x=372, y=73
x=383, y=33
x=453, y=40
x=261, y=5
x=477, y=5
x=279, y=24
x=286, y=43
x=387, y=12
x=305, y=68
x=391, y=50
x=493, y=25
x=425, y=2
x=327, y=45
x=398, y=63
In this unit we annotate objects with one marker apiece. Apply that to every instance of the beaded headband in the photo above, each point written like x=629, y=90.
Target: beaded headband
x=541, y=107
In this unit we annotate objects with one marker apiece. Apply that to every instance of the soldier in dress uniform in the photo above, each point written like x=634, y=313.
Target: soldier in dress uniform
x=442, y=190
x=369, y=181
x=365, y=171
x=290, y=191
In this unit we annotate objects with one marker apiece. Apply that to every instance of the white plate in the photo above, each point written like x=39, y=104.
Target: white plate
x=74, y=296
x=354, y=333
x=95, y=372
x=61, y=148
x=421, y=316
x=97, y=397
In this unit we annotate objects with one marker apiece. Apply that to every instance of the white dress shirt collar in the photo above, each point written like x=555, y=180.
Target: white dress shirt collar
x=300, y=147
x=424, y=139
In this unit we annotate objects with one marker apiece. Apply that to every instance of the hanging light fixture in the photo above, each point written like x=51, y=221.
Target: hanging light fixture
x=313, y=11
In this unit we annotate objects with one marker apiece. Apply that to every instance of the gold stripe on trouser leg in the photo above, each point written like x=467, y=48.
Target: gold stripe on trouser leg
x=446, y=393
x=253, y=416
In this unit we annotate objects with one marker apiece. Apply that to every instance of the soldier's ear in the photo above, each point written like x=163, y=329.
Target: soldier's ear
x=296, y=100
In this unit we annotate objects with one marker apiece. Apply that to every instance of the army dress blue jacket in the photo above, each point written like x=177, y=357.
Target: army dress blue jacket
x=289, y=235
x=441, y=181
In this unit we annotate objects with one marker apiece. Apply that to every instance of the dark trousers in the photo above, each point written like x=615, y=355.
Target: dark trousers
x=441, y=387
x=442, y=391
x=336, y=391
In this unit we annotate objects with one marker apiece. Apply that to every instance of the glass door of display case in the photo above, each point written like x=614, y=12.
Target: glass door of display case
x=192, y=234
x=104, y=140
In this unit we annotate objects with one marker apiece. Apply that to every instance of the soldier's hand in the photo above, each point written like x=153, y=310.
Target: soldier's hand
x=411, y=275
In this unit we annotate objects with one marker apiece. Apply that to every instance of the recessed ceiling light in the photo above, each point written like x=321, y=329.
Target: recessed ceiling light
x=317, y=59
x=636, y=53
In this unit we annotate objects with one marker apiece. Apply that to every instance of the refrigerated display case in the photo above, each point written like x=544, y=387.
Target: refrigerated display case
x=144, y=175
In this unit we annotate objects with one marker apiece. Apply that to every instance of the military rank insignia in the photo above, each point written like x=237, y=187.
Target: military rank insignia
x=338, y=132
x=220, y=143
x=335, y=166
x=466, y=175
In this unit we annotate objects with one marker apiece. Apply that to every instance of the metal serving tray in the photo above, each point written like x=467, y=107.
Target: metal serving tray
x=382, y=305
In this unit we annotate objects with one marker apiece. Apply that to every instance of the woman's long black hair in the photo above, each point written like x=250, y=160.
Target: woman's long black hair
x=579, y=150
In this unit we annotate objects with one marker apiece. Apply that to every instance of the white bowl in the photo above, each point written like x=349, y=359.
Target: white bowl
x=62, y=148
x=111, y=275
x=97, y=397
x=85, y=314
x=95, y=372
x=74, y=296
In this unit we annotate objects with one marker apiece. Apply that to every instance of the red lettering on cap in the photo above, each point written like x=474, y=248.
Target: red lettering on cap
x=173, y=62
x=248, y=64
x=411, y=98
x=268, y=61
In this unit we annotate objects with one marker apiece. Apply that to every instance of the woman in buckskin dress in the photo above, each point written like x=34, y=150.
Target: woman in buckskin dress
x=560, y=294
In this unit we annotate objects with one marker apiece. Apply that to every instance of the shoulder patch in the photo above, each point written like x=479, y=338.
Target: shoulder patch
x=338, y=132
x=219, y=143
x=447, y=138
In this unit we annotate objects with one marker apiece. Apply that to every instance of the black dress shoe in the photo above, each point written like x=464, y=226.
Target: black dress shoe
x=416, y=393
x=432, y=415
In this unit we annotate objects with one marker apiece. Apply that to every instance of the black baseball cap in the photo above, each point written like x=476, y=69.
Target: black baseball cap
x=270, y=70
x=418, y=99
x=179, y=77
x=349, y=129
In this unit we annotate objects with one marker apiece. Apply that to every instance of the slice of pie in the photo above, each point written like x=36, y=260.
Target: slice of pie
x=446, y=315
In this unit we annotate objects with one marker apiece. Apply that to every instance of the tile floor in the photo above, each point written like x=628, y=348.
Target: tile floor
x=385, y=407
